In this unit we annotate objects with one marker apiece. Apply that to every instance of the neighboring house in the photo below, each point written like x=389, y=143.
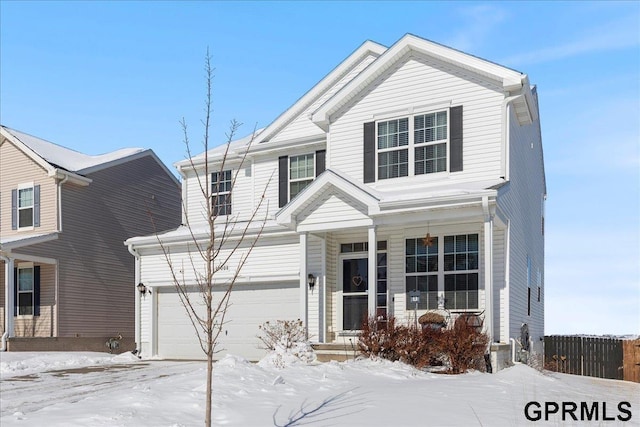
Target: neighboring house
x=65, y=275
x=410, y=168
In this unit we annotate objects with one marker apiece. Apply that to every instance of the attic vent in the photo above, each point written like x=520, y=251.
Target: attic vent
x=247, y=171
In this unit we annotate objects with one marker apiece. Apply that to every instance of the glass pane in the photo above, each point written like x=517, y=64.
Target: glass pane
x=25, y=279
x=473, y=261
x=25, y=197
x=410, y=246
x=432, y=263
x=411, y=283
x=381, y=300
x=449, y=262
x=346, y=247
x=25, y=217
x=25, y=303
x=449, y=244
x=382, y=245
x=473, y=242
x=461, y=243
x=354, y=273
x=354, y=311
x=461, y=261
x=382, y=286
x=410, y=266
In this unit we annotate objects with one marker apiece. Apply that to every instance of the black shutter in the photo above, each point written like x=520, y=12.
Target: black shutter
x=283, y=180
x=14, y=209
x=36, y=290
x=455, y=148
x=36, y=206
x=15, y=291
x=369, y=152
x=320, y=161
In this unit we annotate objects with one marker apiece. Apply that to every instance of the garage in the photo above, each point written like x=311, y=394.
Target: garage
x=251, y=305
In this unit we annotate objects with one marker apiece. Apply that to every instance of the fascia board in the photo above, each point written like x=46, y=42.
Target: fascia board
x=27, y=151
x=28, y=241
x=428, y=202
x=510, y=79
x=318, y=187
x=367, y=48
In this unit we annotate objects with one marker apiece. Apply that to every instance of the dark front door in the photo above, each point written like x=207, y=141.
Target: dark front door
x=355, y=285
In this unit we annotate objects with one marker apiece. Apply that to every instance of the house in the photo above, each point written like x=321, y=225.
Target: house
x=65, y=276
x=409, y=179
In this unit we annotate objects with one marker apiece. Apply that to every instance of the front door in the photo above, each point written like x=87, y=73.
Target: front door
x=355, y=285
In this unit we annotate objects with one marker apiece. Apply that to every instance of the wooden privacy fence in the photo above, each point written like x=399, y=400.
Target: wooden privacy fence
x=594, y=357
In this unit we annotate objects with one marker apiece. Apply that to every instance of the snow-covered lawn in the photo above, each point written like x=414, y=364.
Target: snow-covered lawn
x=96, y=389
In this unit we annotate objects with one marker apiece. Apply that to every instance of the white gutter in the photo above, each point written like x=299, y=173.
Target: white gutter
x=8, y=301
x=138, y=301
x=506, y=134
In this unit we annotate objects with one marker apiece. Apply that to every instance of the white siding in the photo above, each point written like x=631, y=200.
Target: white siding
x=334, y=211
x=301, y=126
x=314, y=266
x=418, y=83
x=521, y=201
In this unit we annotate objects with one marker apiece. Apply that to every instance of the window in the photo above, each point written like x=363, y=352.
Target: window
x=461, y=271
x=412, y=147
x=25, y=294
x=448, y=271
x=301, y=173
x=25, y=207
x=221, y=183
x=430, y=139
x=393, y=159
x=421, y=268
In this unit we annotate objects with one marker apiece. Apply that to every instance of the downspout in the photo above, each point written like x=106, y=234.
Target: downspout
x=56, y=291
x=138, y=301
x=506, y=135
x=8, y=301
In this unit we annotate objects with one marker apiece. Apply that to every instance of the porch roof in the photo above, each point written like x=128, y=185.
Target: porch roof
x=335, y=201
x=15, y=242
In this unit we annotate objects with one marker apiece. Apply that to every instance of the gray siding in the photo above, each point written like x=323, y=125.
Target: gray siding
x=521, y=200
x=96, y=271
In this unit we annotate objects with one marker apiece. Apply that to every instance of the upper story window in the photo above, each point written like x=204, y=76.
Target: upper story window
x=221, y=183
x=301, y=173
x=412, y=146
x=25, y=207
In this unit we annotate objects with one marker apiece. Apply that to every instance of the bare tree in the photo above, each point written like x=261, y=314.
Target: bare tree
x=205, y=296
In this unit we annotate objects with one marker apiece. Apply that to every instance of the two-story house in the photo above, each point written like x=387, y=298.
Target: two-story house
x=65, y=275
x=409, y=179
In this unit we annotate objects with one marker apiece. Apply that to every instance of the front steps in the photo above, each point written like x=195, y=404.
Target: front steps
x=339, y=352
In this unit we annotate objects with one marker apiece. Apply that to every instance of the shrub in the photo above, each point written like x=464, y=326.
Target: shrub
x=407, y=344
x=282, y=334
x=464, y=346
x=287, y=343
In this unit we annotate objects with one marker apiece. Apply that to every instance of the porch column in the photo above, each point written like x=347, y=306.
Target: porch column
x=9, y=265
x=372, y=271
x=488, y=270
x=304, y=301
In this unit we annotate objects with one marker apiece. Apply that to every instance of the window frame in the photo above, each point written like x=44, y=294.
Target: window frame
x=22, y=267
x=439, y=300
x=412, y=145
x=22, y=187
x=221, y=206
x=308, y=179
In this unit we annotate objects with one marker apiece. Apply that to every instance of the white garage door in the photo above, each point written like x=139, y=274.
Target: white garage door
x=251, y=306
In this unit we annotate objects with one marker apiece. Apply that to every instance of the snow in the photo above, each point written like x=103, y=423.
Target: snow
x=98, y=389
x=66, y=158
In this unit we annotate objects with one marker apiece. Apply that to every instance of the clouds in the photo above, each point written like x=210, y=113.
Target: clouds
x=618, y=34
x=478, y=24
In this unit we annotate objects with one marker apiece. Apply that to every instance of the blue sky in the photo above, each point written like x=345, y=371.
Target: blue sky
x=98, y=76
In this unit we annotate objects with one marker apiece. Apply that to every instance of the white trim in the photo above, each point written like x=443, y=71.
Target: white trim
x=372, y=267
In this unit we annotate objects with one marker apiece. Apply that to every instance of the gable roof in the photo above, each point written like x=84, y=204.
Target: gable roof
x=54, y=158
x=509, y=79
x=366, y=49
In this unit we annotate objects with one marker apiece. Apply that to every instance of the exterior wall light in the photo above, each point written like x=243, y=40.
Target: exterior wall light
x=142, y=288
x=312, y=281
